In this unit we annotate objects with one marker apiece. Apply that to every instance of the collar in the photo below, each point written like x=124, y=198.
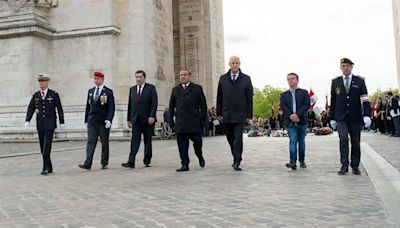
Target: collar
x=236, y=74
x=350, y=76
x=187, y=85
x=292, y=90
x=141, y=86
x=45, y=91
x=100, y=88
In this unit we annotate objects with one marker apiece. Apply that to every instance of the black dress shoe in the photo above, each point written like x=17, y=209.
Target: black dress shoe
x=104, y=167
x=291, y=165
x=237, y=167
x=128, y=165
x=44, y=172
x=303, y=165
x=50, y=171
x=147, y=165
x=84, y=167
x=183, y=169
x=356, y=171
x=202, y=163
x=343, y=170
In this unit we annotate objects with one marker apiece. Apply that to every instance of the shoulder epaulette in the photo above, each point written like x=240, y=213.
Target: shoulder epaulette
x=358, y=76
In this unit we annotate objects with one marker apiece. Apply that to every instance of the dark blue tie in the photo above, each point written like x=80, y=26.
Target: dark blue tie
x=96, y=96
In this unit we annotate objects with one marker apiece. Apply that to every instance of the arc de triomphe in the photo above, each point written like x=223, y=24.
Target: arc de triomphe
x=70, y=39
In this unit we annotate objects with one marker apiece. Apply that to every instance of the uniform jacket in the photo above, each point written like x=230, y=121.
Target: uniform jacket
x=235, y=99
x=97, y=112
x=348, y=106
x=189, y=108
x=45, y=109
x=140, y=110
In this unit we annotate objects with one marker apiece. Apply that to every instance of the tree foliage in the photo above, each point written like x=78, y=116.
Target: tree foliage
x=381, y=93
x=265, y=99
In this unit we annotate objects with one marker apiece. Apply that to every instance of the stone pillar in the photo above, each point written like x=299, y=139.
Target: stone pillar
x=201, y=45
x=396, y=22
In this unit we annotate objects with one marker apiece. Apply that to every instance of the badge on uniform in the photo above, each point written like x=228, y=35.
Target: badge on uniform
x=103, y=99
x=37, y=111
x=337, y=90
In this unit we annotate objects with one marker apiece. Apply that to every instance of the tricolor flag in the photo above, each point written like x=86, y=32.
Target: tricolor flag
x=313, y=98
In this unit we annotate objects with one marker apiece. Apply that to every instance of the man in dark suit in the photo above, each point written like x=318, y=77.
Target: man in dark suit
x=188, y=105
x=44, y=103
x=295, y=103
x=99, y=114
x=349, y=102
x=235, y=107
x=142, y=108
x=393, y=114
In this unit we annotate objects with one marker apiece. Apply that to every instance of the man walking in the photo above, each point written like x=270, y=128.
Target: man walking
x=188, y=105
x=235, y=107
x=349, y=96
x=99, y=114
x=44, y=103
x=295, y=103
x=142, y=108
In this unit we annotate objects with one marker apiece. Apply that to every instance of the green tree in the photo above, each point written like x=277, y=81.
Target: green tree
x=265, y=99
x=381, y=93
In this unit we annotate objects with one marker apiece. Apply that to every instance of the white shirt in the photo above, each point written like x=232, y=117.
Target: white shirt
x=141, y=88
x=187, y=84
x=344, y=79
x=45, y=93
x=95, y=89
x=235, y=74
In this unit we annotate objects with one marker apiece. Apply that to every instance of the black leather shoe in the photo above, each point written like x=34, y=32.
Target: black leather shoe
x=202, y=162
x=84, y=167
x=291, y=165
x=356, y=171
x=343, y=170
x=50, y=171
x=104, y=167
x=183, y=169
x=303, y=165
x=44, y=172
x=128, y=165
x=237, y=167
x=147, y=165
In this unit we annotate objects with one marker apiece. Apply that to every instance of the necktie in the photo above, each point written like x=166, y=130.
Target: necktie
x=139, y=93
x=42, y=95
x=233, y=77
x=347, y=84
x=96, y=96
x=184, y=86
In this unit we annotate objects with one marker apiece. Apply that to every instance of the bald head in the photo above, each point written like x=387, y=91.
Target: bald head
x=234, y=64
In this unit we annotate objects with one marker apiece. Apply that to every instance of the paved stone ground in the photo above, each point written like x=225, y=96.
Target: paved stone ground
x=264, y=194
x=387, y=147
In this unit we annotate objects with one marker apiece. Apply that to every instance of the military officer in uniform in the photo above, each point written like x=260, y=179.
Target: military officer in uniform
x=99, y=114
x=349, y=103
x=44, y=103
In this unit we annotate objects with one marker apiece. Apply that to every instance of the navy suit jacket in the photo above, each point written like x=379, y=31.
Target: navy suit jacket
x=302, y=105
x=97, y=112
x=140, y=110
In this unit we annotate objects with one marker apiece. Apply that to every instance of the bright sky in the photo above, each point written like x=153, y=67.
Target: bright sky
x=309, y=37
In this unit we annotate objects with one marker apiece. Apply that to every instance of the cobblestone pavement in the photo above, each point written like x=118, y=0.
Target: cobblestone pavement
x=264, y=194
x=387, y=147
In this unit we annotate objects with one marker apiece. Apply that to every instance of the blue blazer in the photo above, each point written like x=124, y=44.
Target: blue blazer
x=302, y=106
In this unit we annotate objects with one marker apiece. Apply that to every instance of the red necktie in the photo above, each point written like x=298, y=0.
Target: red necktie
x=139, y=93
x=42, y=95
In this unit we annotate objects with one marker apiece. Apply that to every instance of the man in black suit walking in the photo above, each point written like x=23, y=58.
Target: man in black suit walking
x=235, y=107
x=45, y=103
x=188, y=105
x=99, y=114
x=142, y=108
x=349, y=103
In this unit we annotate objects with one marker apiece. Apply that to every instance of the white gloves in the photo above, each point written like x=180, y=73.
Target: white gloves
x=108, y=124
x=26, y=124
x=367, y=121
x=333, y=124
x=62, y=126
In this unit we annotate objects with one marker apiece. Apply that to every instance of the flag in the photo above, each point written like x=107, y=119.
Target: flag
x=313, y=98
x=326, y=102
